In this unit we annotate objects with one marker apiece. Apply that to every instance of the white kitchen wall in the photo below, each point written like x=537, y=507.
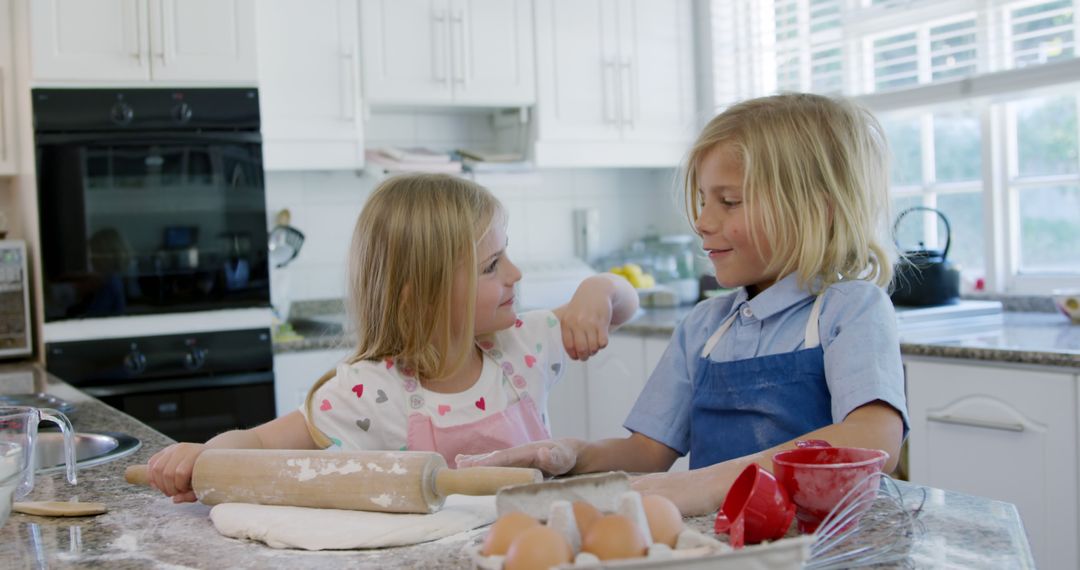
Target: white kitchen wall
x=324, y=205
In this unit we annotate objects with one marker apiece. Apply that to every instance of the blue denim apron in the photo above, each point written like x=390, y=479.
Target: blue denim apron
x=746, y=406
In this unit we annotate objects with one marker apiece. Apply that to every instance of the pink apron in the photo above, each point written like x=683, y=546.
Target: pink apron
x=518, y=424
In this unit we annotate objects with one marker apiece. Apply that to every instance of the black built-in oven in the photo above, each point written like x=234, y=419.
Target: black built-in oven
x=151, y=201
x=152, y=205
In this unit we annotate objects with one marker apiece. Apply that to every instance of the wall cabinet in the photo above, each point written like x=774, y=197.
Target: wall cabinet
x=7, y=92
x=309, y=87
x=296, y=372
x=443, y=52
x=615, y=82
x=1005, y=433
x=142, y=40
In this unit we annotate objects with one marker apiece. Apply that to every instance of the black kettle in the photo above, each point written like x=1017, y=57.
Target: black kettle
x=925, y=277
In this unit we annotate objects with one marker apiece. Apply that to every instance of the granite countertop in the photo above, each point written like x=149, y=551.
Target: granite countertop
x=145, y=530
x=1021, y=337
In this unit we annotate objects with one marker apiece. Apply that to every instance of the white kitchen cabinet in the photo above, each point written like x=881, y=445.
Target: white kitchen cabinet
x=567, y=408
x=448, y=52
x=309, y=85
x=7, y=92
x=296, y=372
x=615, y=82
x=143, y=40
x=1005, y=433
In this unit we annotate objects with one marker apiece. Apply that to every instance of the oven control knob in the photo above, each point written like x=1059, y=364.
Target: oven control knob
x=182, y=113
x=195, y=358
x=135, y=362
x=121, y=113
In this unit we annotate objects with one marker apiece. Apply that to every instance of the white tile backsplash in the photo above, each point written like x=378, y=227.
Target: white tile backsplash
x=324, y=205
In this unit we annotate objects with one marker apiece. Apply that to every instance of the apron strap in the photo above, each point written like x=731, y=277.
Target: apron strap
x=812, y=338
x=715, y=338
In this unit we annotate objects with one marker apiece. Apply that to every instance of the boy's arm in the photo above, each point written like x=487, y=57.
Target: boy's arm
x=875, y=425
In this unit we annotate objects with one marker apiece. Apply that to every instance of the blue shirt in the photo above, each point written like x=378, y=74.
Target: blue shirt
x=857, y=327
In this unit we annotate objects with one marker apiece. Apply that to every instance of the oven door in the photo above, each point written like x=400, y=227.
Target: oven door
x=149, y=223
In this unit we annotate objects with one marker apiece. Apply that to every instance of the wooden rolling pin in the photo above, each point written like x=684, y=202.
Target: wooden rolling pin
x=383, y=481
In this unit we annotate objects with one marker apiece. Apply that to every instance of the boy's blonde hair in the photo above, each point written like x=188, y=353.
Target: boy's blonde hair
x=414, y=233
x=815, y=178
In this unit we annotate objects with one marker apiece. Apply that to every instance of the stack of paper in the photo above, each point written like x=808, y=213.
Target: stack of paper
x=393, y=159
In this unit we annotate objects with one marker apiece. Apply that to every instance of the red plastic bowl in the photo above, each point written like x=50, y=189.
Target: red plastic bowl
x=817, y=478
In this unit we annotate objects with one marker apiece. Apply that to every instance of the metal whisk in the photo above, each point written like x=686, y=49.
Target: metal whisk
x=872, y=524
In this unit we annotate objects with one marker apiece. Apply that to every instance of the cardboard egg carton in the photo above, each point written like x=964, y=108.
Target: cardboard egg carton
x=693, y=550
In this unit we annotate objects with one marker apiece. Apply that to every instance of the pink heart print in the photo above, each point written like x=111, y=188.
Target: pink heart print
x=389, y=363
x=443, y=409
x=518, y=323
x=481, y=404
x=359, y=389
x=530, y=360
x=325, y=406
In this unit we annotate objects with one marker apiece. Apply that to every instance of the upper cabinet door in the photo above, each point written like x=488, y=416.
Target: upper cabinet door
x=615, y=82
x=656, y=71
x=203, y=40
x=491, y=46
x=90, y=40
x=577, y=64
x=406, y=51
x=309, y=85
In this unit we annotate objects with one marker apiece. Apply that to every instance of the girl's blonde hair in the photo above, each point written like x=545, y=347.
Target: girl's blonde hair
x=815, y=179
x=413, y=235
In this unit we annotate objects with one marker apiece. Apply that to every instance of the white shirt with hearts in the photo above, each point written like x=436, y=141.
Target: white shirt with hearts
x=366, y=405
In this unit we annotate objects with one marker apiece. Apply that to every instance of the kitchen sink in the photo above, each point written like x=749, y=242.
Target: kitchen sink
x=90, y=449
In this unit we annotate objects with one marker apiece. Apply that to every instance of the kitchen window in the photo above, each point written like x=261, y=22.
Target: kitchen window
x=979, y=100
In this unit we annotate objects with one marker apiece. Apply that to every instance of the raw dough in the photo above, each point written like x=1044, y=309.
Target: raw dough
x=326, y=529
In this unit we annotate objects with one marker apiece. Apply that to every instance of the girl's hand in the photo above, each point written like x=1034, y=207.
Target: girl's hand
x=170, y=470
x=552, y=456
x=586, y=319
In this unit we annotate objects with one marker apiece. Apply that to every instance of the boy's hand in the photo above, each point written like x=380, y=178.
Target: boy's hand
x=552, y=456
x=170, y=470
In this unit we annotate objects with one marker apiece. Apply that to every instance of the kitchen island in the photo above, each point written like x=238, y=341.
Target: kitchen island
x=145, y=530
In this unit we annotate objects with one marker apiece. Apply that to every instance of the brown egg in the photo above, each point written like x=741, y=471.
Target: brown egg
x=665, y=520
x=505, y=530
x=584, y=515
x=612, y=537
x=538, y=548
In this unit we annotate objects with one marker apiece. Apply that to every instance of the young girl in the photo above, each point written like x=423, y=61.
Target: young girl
x=442, y=362
x=789, y=195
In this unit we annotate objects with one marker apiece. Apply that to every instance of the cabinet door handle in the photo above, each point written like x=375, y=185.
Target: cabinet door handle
x=461, y=60
x=4, y=143
x=972, y=422
x=607, y=83
x=438, y=26
x=138, y=55
x=626, y=93
x=347, y=86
